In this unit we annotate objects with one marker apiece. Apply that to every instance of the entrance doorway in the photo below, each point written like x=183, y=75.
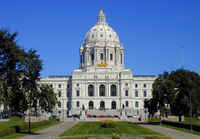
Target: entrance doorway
x=113, y=105
x=102, y=105
x=91, y=105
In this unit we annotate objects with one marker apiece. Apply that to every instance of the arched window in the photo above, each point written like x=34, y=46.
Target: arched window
x=113, y=90
x=90, y=90
x=102, y=90
x=91, y=105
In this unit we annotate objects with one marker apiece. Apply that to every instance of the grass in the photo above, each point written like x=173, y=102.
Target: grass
x=11, y=123
x=120, y=128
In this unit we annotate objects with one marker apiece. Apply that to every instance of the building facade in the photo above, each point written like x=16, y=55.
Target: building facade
x=102, y=82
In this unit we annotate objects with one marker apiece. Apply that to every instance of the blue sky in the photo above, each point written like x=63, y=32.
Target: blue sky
x=151, y=31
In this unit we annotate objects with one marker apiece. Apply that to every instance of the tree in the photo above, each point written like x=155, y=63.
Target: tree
x=174, y=89
x=163, y=92
x=19, y=77
x=32, y=68
x=187, y=83
x=47, y=99
x=11, y=59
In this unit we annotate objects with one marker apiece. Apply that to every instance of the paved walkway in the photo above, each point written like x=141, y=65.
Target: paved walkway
x=52, y=132
x=174, y=134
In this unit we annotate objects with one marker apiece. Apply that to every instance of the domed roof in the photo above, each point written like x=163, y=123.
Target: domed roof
x=101, y=32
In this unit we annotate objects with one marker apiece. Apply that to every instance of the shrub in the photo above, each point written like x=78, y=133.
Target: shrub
x=15, y=118
x=7, y=131
x=108, y=123
x=19, y=126
x=181, y=125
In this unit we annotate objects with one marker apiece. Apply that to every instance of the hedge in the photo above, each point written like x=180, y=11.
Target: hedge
x=23, y=128
x=182, y=125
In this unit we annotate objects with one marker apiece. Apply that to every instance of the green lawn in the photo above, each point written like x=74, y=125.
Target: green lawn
x=120, y=128
x=11, y=134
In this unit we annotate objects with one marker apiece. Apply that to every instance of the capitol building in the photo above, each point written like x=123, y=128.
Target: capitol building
x=102, y=81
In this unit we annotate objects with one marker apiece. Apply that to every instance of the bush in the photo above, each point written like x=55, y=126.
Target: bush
x=108, y=123
x=19, y=127
x=7, y=131
x=15, y=118
x=182, y=125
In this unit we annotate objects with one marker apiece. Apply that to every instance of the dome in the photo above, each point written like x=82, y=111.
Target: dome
x=101, y=32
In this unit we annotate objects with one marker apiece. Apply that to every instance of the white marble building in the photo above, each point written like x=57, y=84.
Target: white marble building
x=102, y=81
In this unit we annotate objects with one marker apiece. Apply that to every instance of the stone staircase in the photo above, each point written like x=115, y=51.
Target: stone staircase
x=104, y=112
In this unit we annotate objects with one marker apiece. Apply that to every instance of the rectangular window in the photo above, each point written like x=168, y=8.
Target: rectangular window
x=121, y=58
x=81, y=58
x=145, y=93
x=77, y=104
x=136, y=104
x=136, y=93
x=68, y=104
x=77, y=93
x=111, y=57
x=59, y=94
x=102, y=58
x=126, y=103
x=126, y=93
x=59, y=86
x=92, y=57
x=59, y=104
x=136, y=85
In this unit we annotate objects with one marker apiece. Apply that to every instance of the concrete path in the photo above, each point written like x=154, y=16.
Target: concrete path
x=174, y=134
x=52, y=132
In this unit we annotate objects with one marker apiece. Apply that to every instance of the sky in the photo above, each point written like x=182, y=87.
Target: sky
x=156, y=34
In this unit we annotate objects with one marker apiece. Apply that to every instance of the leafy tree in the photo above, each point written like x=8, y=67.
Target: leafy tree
x=174, y=89
x=11, y=58
x=32, y=68
x=187, y=83
x=19, y=77
x=47, y=99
